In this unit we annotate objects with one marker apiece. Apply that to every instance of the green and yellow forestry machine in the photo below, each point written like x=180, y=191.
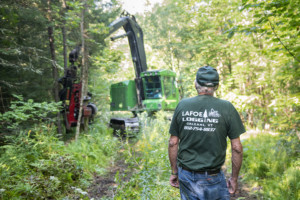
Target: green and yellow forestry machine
x=150, y=90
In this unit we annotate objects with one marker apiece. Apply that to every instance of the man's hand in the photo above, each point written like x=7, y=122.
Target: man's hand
x=174, y=181
x=232, y=185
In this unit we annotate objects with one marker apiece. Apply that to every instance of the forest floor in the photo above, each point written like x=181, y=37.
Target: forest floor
x=105, y=186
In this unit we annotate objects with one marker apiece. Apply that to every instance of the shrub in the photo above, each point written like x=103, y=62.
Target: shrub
x=272, y=163
x=33, y=168
x=26, y=114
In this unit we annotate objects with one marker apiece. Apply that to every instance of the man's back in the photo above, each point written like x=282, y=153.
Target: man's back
x=202, y=124
x=197, y=144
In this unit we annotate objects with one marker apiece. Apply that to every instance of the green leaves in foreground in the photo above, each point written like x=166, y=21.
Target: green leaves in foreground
x=272, y=163
x=34, y=167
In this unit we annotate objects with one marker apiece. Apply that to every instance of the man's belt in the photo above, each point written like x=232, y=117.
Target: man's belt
x=209, y=172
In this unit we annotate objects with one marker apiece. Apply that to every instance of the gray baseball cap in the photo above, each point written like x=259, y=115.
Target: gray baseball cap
x=207, y=76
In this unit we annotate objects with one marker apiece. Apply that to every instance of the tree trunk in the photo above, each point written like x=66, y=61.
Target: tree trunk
x=63, y=31
x=2, y=102
x=54, y=66
x=84, y=70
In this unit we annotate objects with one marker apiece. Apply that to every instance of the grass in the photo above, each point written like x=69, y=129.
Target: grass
x=272, y=163
x=95, y=150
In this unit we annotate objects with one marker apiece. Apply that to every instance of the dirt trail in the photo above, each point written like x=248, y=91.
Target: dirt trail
x=105, y=186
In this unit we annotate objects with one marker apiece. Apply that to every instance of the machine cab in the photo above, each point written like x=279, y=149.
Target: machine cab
x=160, y=90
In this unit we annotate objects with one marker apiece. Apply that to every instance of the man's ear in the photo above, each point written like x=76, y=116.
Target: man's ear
x=195, y=84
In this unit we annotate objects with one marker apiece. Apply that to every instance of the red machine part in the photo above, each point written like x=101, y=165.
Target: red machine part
x=74, y=105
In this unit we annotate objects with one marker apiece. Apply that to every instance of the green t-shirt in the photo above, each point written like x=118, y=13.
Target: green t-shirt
x=202, y=124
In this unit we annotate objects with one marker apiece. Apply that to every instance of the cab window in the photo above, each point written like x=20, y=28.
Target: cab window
x=152, y=87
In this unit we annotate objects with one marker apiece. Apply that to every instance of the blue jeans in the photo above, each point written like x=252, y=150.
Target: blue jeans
x=195, y=186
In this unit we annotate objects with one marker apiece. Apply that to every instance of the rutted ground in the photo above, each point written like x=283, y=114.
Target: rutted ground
x=105, y=186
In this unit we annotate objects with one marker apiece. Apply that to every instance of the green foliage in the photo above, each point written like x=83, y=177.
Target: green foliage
x=272, y=163
x=189, y=34
x=105, y=70
x=26, y=114
x=37, y=165
x=94, y=151
x=33, y=167
x=23, y=51
x=279, y=21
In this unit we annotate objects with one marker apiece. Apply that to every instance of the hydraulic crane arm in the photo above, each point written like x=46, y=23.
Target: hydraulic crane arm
x=134, y=34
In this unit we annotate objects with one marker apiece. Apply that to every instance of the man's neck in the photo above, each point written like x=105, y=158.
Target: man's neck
x=204, y=93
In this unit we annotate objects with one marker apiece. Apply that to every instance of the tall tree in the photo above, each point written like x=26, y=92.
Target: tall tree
x=24, y=54
x=64, y=34
x=84, y=69
x=54, y=65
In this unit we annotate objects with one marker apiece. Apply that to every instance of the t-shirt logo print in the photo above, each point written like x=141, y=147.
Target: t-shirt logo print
x=213, y=113
x=201, y=121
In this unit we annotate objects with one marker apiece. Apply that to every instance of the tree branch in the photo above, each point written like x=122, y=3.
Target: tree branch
x=273, y=29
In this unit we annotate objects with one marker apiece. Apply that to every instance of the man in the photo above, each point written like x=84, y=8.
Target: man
x=197, y=145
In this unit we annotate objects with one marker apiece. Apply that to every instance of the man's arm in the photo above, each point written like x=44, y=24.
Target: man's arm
x=173, y=150
x=236, y=158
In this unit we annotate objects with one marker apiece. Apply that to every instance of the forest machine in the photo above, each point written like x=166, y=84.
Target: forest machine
x=70, y=95
x=150, y=90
